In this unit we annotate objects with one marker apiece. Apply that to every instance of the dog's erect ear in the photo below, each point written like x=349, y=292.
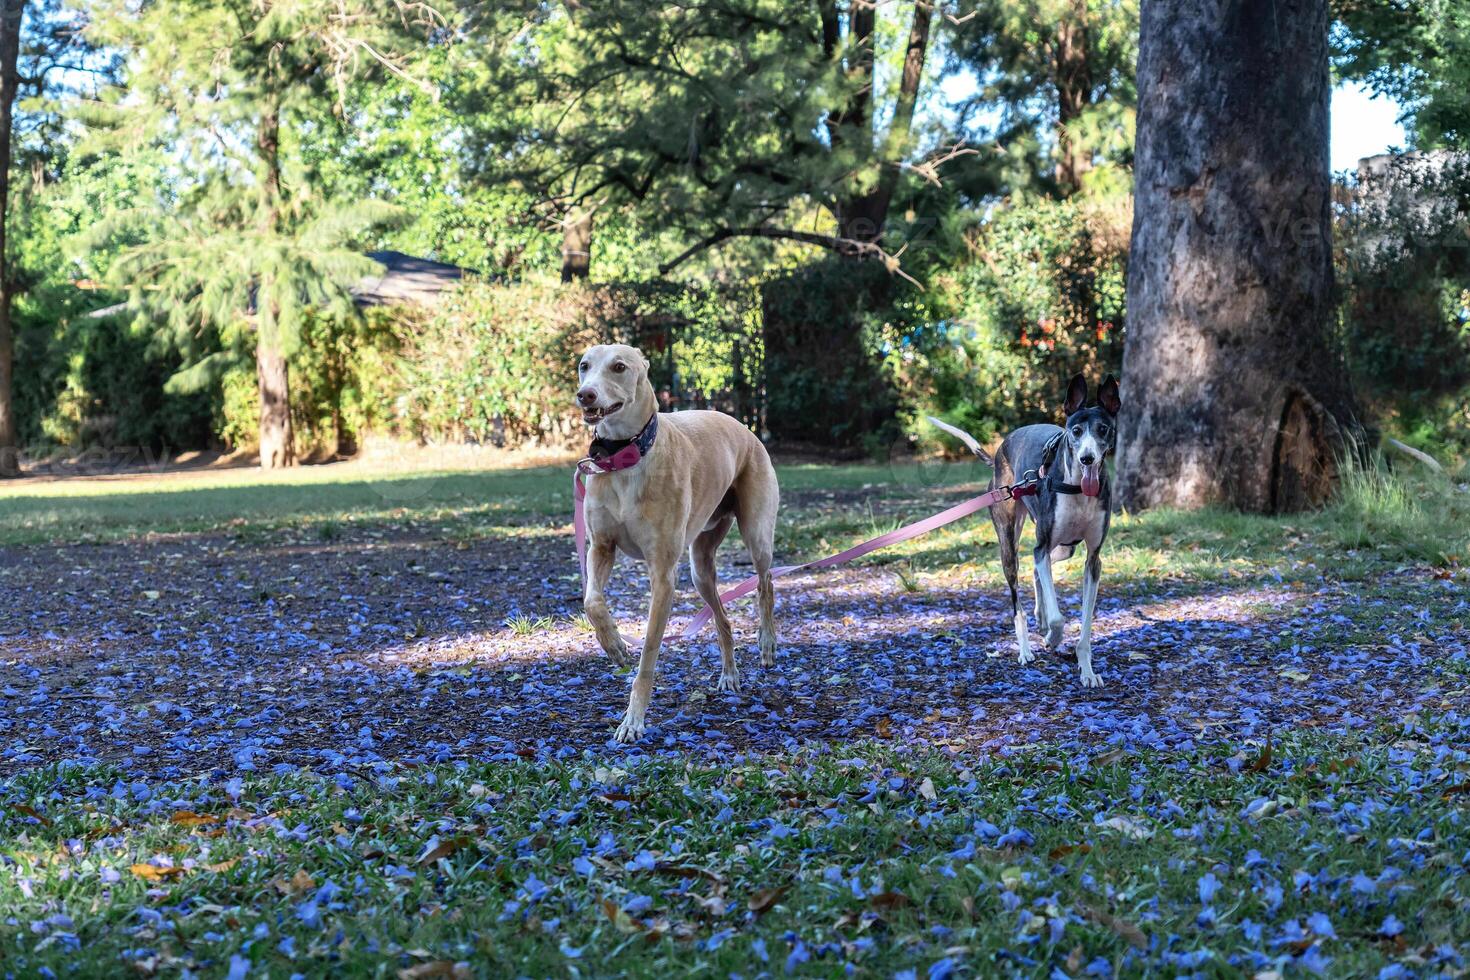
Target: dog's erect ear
x=1107, y=396
x=1076, y=394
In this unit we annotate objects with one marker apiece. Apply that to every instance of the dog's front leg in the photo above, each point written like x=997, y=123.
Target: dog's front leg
x=1090, y=579
x=661, y=571
x=1008, y=519
x=599, y=569
x=1048, y=612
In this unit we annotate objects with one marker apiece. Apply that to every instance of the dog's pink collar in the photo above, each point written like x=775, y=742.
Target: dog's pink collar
x=611, y=455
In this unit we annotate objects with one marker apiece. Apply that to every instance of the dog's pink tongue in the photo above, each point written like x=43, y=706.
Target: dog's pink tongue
x=1092, y=480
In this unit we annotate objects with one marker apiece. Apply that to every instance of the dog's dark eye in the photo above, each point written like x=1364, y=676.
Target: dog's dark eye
x=619, y=367
x=582, y=368
x=1077, y=431
x=1104, y=429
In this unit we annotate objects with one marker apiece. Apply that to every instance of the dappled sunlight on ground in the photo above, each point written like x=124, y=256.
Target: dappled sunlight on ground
x=192, y=653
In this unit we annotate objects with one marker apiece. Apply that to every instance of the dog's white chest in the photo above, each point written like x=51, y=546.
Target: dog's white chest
x=613, y=505
x=1078, y=518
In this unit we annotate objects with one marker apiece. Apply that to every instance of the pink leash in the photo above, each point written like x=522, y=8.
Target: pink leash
x=905, y=533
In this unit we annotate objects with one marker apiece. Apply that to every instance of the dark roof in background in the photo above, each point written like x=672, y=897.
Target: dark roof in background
x=407, y=280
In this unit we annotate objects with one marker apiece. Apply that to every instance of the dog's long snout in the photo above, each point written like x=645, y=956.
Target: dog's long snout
x=587, y=397
x=1087, y=458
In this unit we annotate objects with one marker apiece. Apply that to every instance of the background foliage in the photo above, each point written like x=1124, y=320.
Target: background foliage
x=477, y=138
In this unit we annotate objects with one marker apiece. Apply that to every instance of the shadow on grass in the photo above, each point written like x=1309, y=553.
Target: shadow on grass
x=352, y=652
x=443, y=630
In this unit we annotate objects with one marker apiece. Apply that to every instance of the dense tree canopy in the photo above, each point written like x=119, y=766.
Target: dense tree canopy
x=756, y=119
x=218, y=171
x=244, y=232
x=1054, y=80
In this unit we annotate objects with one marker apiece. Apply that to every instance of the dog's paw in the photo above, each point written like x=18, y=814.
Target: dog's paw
x=617, y=651
x=729, y=680
x=1053, y=635
x=632, y=728
x=1023, y=642
x=768, y=650
x=1089, y=679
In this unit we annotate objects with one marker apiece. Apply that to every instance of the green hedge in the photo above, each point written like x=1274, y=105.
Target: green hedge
x=84, y=382
x=1040, y=297
x=495, y=364
x=1404, y=269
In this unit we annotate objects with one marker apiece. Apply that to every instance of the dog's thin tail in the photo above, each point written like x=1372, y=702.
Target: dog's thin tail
x=965, y=437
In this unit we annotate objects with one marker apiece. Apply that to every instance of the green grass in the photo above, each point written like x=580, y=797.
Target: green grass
x=1380, y=518
x=1380, y=521
x=528, y=626
x=324, y=498
x=427, y=858
x=1102, y=858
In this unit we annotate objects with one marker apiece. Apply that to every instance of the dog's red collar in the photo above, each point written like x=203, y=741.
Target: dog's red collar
x=611, y=455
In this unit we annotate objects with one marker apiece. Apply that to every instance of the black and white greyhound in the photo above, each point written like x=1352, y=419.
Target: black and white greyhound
x=1071, y=505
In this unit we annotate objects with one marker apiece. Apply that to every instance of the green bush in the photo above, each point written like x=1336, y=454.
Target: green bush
x=1040, y=298
x=1404, y=270
x=491, y=366
x=338, y=376
x=90, y=383
x=495, y=363
x=828, y=336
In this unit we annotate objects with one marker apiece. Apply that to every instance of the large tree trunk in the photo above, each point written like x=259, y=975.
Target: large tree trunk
x=862, y=217
x=277, y=442
x=1233, y=392
x=11, y=14
x=576, y=246
x=1074, y=95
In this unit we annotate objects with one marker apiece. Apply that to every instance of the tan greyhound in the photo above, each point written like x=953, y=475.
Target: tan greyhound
x=661, y=484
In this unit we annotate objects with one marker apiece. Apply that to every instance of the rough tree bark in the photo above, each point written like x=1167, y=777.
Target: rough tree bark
x=576, y=246
x=277, y=441
x=1074, y=95
x=11, y=14
x=1233, y=394
x=862, y=217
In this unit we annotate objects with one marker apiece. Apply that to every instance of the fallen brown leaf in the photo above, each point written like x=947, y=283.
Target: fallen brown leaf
x=298, y=883
x=686, y=871
x=436, y=968
x=189, y=818
x=1263, y=761
x=762, y=900
x=150, y=873
x=443, y=849
x=620, y=919
x=30, y=811
x=1127, y=930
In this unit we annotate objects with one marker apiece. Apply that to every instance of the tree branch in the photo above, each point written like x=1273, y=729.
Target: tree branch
x=896, y=141
x=929, y=168
x=850, y=247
